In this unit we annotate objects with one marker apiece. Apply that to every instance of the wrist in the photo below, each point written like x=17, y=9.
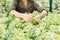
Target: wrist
x=11, y=12
x=22, y=15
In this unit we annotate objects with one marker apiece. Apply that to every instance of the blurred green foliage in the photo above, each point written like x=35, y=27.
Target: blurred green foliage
x=13, y=28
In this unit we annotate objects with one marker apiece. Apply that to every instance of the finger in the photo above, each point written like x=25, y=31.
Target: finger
x=27, y=20
x=30, y=17
x=37, y=20
x=35, y=17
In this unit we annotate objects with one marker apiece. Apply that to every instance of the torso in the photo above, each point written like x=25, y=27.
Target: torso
x=20, y=7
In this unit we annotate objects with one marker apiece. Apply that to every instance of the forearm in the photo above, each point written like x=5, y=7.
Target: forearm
x=44, y=12
x=17, y=14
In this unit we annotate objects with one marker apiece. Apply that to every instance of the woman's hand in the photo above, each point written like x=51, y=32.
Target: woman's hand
x=26, y=17
x=37, y=18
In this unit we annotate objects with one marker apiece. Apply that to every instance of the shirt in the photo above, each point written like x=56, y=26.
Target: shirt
x=19, y=6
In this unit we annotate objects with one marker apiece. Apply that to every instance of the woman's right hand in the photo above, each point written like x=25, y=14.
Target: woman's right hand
x=26, y=17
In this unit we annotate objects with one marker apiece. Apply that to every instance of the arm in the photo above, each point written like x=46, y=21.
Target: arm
x=39, y=8
x=17, y=14
x=38, y=17
x=21, y=15
x=12, y=9
x=43, y=13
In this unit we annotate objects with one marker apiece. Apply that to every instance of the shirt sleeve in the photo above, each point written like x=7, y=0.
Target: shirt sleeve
x=13, y=5
x=38, y=6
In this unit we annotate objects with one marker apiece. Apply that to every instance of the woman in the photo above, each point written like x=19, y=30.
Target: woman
x=19, y=7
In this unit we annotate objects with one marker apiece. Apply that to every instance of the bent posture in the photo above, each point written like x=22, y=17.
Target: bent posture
x=19, y=7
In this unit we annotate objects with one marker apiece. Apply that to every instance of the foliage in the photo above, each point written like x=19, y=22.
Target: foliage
x=13, y=28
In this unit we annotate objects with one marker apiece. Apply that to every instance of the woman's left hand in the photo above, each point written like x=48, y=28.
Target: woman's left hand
x=37, y=18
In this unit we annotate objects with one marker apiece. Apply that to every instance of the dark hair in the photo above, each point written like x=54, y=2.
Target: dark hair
x=18, y=1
